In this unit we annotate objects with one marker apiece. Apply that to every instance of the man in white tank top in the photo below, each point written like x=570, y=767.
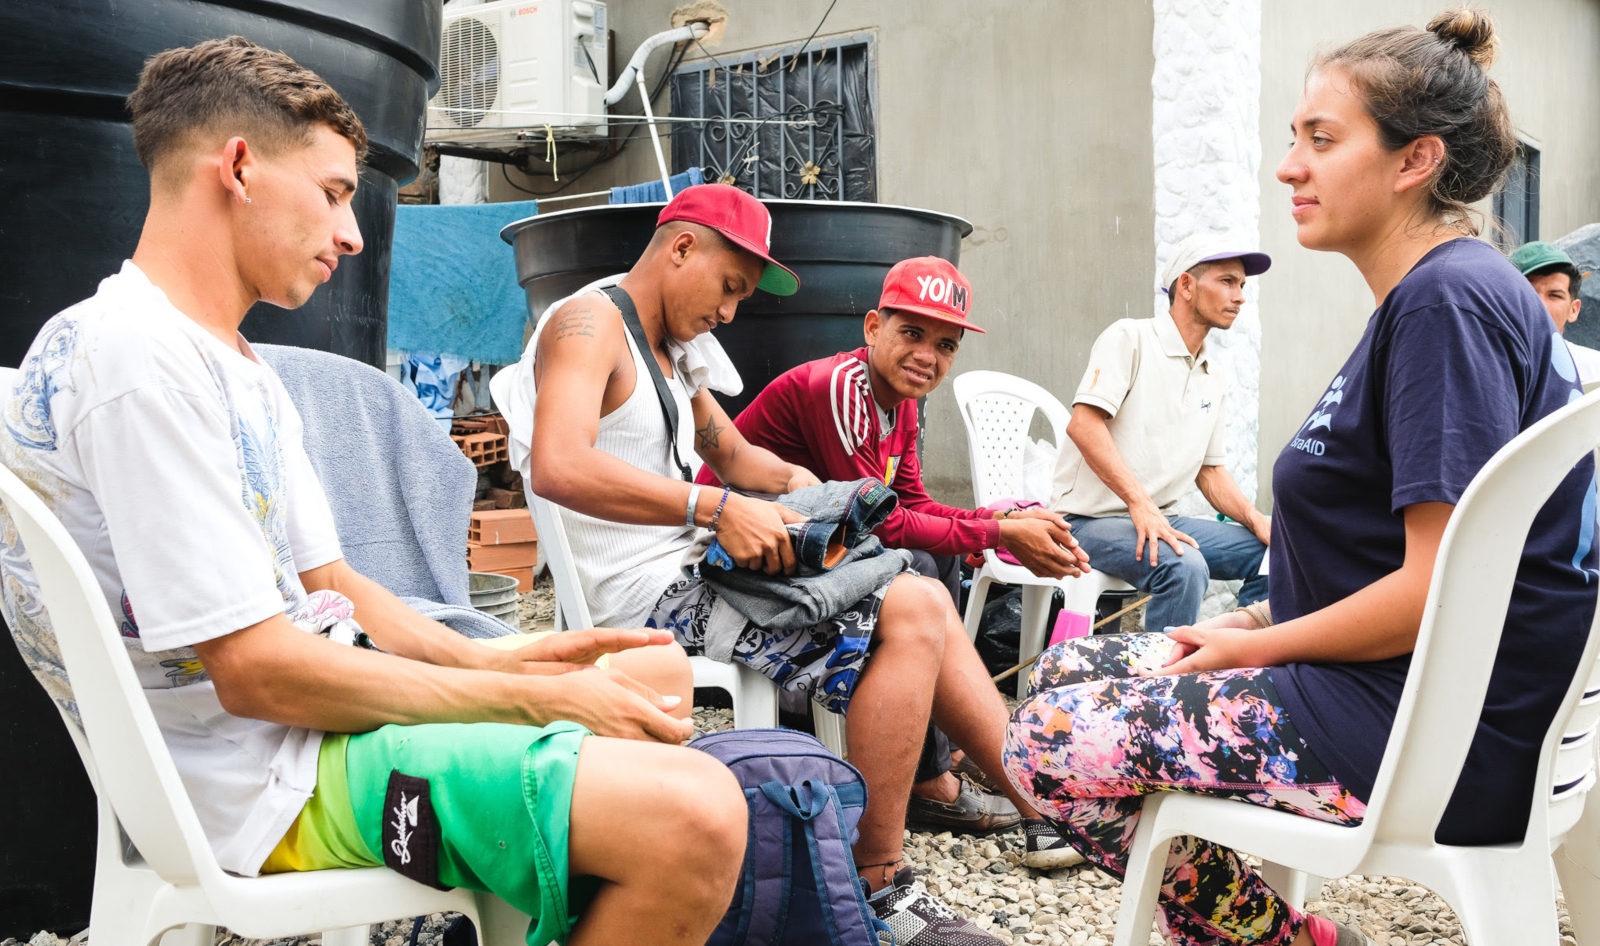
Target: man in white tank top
x=600, y=448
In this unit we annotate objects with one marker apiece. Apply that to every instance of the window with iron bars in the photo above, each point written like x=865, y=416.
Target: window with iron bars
x=784, y=123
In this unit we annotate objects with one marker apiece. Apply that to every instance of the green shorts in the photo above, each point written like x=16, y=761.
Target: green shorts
x=483, y=806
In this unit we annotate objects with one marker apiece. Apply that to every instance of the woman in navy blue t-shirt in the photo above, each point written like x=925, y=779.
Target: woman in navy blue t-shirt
x=1290, y=705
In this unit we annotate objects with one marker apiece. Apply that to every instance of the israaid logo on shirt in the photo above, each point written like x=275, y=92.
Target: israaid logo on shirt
x=1324, y=418
x=1321, y=419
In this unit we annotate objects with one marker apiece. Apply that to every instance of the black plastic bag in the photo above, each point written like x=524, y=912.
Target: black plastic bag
x=1000, y=631
x=1000, y=628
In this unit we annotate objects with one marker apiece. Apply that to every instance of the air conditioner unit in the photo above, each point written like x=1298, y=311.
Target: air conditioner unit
x=517, y=64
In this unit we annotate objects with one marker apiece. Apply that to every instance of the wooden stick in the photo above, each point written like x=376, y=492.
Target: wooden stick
x=1098, y=625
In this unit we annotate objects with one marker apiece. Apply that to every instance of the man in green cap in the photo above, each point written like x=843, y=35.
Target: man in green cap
x=1555, y=277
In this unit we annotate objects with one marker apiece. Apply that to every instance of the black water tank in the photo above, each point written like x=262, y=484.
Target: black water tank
x=841, y=251
x=72, y=200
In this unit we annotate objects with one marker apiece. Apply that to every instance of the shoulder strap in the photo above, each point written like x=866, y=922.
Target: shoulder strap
x=669, y=407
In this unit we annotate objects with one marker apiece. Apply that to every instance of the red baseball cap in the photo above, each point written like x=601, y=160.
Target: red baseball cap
x=930, y=286
x=739, y=217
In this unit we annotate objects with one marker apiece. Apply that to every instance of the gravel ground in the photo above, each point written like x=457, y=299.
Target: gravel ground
x=983, y=878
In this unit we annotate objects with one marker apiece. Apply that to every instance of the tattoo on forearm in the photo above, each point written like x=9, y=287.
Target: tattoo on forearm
x=708, y=435
x=577, y=323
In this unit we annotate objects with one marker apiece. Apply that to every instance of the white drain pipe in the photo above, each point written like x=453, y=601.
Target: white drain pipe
x=634, y=75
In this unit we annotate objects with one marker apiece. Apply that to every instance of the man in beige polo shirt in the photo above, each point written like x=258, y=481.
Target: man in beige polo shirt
x=1147, y=421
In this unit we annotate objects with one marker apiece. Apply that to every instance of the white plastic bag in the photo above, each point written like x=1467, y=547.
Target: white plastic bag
x=1038, y=470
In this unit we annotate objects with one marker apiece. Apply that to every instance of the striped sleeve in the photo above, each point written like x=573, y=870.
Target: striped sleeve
x=850, y=398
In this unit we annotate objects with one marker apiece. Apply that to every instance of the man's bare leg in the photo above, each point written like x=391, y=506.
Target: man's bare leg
x=944, y=787
x=888, y=716
x=664, y=828
x=969, y=708
x=664, y=669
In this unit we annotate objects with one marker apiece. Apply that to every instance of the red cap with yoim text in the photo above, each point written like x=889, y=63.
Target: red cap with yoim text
x=930, y=286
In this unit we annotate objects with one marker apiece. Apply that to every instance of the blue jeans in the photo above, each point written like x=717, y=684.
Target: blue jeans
x=1176, y=585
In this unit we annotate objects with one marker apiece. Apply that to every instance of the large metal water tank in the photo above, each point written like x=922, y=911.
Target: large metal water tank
x=72, y=199
x=841, y=251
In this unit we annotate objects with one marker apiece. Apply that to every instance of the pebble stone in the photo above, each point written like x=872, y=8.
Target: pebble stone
x=983, y=878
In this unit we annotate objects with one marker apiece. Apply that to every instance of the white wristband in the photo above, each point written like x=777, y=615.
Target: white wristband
x=694, y=500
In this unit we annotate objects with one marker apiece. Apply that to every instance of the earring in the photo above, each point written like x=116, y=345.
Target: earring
x=247, y=200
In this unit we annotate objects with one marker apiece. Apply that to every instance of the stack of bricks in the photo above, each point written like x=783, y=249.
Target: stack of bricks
x=503, y=541
x=482, y=439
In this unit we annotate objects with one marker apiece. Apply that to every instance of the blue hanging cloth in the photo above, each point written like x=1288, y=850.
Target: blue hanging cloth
x=453, y=281
x=652, y=191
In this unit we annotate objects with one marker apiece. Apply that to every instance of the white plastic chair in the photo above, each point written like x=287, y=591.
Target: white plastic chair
x=1503, y=894
x=154, y=870
x=755, y=698
x=997, y=409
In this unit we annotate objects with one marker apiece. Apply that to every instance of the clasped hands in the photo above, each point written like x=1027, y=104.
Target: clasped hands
x=1042, y=541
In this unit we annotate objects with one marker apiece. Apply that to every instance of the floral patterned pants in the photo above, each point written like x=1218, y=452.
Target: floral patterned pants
x=1094, y=737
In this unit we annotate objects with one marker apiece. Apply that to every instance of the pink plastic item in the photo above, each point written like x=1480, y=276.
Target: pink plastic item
x=1069, y=624
x=1001, y=505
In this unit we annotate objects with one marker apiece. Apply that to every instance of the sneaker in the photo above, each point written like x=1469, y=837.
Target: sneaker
x=916, y=917
x=973, y=812
x=1045, y=848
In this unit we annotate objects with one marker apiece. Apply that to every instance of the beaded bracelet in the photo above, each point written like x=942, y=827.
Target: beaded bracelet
x=712, y=525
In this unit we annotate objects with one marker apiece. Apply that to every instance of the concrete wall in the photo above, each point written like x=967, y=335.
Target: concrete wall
x=1031, y=118
x=1314, y=306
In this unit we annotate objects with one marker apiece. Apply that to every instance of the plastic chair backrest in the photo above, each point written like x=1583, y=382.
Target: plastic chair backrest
x=997, y=409
x=558, y=556
x=1461, y=626
x=125, y=754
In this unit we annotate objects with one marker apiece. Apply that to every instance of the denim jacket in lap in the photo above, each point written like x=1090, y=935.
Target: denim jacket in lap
x=838, y=560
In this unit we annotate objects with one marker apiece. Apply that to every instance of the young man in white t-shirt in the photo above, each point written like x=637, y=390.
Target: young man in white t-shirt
x=174, y=458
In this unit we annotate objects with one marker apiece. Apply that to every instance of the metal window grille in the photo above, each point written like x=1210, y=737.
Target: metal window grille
x=1516, y=205
x=829, y=84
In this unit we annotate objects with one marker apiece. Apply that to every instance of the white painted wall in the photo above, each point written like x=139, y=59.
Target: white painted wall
x=1207, y=150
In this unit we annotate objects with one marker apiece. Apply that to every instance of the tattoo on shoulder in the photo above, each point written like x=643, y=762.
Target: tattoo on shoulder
x=577, y=323
x=707, y=437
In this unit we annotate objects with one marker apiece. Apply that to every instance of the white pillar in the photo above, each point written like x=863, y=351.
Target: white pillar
x=463, y=180
x=1207, y=136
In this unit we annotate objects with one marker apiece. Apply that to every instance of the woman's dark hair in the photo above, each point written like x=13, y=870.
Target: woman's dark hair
x=1435, y=82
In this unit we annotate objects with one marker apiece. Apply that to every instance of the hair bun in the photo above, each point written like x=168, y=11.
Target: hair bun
x=1469, y=30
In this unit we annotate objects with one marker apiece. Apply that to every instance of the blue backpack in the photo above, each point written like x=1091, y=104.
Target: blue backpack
x=799, y=881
